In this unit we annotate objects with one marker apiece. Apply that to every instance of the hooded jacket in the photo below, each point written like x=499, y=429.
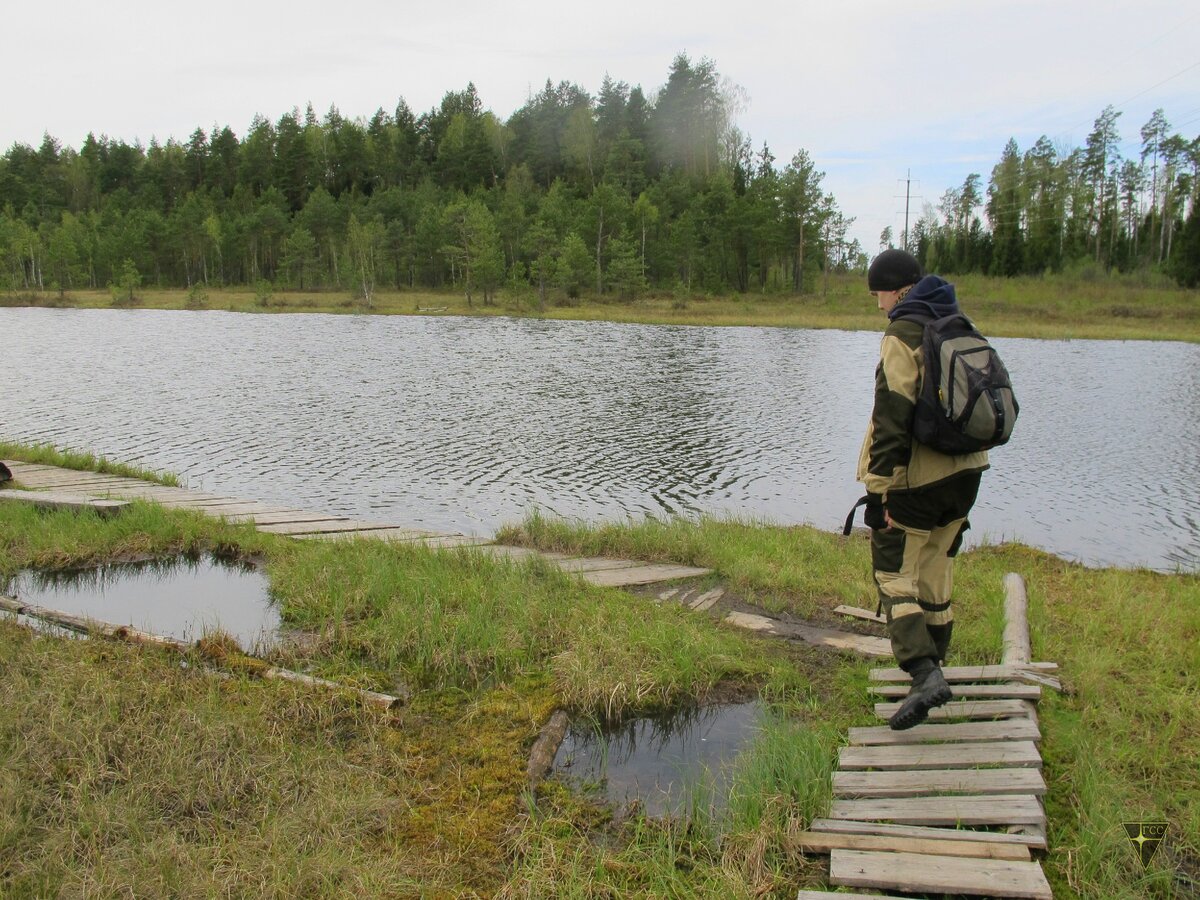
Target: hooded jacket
x=891, y=461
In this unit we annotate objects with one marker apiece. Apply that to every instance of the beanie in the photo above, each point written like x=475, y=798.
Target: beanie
x=892, y=270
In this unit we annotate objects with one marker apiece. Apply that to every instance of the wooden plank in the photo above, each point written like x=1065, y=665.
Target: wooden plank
x=644, y=574
x=1012, y=754
x=279, y=517
x=969, y=691
x=63, y=500
x=964, y=809
x=918, y=873
x=326, y=526
x=965, y=673
x=964, y=709
x=830, y=895
x=398, y=534
x=825, y=842
x=957, y=732
x=857, y=613
x=848, y=826
x=825, y=637
x=595, y=564
x=707, y=600
x=938, y=781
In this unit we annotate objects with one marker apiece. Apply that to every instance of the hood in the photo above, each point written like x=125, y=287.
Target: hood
x=931, y=296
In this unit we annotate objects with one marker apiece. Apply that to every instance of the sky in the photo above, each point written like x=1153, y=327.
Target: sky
x=872, y=90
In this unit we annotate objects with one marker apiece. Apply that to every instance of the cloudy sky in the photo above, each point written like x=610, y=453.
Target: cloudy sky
x=871, y=89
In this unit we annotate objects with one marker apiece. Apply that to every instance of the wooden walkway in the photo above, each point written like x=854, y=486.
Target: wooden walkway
x=954, y=805
x=58, y=487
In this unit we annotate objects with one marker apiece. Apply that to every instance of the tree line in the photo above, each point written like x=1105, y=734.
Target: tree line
x=614, y=193
x=1052, y=208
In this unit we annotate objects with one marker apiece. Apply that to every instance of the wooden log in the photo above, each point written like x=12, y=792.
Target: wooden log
x=1006, y=754
x=848, y=826
x=545, y=748
x=374, y=698
x=964, y=709
x=921, y=874
x=969, y=691
x=136, y=636
x=826, y=842
x=1017, y=650
x=82, y=624
x=957, y=732
x=965, y=809
x=938, y=781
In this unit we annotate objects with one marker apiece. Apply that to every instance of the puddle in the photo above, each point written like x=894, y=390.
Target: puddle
x=669, y=765
x=180, y=598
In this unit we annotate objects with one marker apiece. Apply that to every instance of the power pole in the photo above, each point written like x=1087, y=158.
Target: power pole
x=907, y=200
x=907, y=192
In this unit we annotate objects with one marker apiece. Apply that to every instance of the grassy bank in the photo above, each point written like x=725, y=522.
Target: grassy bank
x=125, y=774
x=1048, y=307
x=48, y=455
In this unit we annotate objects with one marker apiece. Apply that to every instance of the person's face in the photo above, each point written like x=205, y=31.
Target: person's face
x=887, y=300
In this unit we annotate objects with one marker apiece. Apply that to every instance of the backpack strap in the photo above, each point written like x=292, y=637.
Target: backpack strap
x=850, y=518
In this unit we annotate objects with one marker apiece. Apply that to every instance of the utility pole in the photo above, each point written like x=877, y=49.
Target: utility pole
x=907, y=191
x=907, y=200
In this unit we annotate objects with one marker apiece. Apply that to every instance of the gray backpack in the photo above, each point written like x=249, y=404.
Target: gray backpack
x=966, y=402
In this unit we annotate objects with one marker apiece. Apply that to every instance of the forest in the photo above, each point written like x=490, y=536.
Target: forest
x=574, y=194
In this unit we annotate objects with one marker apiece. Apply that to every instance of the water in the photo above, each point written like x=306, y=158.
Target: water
x=180, y=598
x=667, y=764
x=466, y=424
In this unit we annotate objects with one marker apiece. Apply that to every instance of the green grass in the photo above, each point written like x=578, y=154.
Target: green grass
x=124, y=773
x=47, y=454
x=1073, y=305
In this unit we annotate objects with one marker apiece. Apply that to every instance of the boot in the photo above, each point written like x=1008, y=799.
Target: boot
x=929, y=689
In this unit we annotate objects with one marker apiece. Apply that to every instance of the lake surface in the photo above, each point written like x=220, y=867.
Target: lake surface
x=455, y=423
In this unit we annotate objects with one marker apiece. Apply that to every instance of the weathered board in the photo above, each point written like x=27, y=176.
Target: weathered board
x=63, y=500
x=919, y=873
x=1004, y=730
x=848, y=826
x=857, y=613
x=707, y=600
x=963, y=709
x=279, y=517
x=965, y=809
x=825, y=842
x=596, y=564
x=1013, y=754
x=326, y=526
x=969, y=673
x=825, y=637
x=829, y=895
x=969, y=691
x=938, y=781
x=642, y=574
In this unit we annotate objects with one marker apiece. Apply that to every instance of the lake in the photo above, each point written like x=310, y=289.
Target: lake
x=466, y=424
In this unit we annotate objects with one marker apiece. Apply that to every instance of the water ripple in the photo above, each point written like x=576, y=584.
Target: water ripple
x=466, y=424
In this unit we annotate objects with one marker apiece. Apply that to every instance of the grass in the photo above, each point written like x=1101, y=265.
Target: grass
x=125, y=774
x=1064, y=306
x=49, y=455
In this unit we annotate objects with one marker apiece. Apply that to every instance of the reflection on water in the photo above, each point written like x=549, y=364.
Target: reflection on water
x=669, y=765
x=179, y=597
x=469, y=423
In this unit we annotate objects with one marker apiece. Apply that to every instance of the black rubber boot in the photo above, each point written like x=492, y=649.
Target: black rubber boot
x=929, y=689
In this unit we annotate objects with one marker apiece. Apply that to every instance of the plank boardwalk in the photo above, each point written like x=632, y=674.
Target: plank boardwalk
x=952, y=806
x=54, y=486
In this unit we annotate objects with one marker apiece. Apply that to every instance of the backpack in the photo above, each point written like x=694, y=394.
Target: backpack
x=966, y=400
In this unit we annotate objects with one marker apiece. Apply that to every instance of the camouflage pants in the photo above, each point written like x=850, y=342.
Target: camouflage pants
x=914, y=565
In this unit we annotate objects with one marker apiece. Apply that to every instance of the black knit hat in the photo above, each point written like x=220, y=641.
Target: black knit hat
x=892, y=270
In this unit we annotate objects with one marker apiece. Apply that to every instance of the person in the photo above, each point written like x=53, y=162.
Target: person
x=917, y=498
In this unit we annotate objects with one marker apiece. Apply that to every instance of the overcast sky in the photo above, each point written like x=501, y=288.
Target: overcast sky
x=870, y=89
